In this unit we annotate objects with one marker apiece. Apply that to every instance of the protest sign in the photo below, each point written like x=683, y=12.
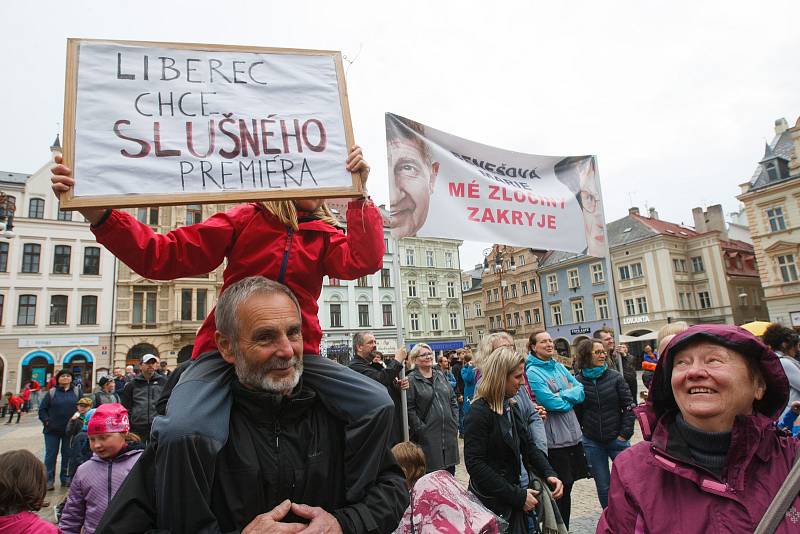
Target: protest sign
x=445, y=186
x=170, y=123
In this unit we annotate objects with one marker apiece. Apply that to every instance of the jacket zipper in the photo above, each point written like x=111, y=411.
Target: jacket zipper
x=286, y=250
x=110, y=465
x=665, y=454
x=599, y=406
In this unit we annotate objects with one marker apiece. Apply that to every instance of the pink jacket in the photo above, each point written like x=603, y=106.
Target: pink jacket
x=26, y=523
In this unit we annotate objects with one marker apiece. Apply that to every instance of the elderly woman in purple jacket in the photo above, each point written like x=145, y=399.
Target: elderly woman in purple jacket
x=712, y=460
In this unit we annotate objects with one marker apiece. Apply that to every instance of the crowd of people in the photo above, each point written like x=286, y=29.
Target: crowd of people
x=258, y=433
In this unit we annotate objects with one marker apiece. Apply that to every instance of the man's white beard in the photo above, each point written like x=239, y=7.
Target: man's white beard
x=257, y=375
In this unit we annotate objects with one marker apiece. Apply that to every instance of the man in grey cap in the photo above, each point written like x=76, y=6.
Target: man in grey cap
x=140, y=395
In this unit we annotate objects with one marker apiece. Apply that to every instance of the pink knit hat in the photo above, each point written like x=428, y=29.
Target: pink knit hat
x=109, y=418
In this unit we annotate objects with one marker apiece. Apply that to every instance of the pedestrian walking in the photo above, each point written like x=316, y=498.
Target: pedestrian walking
x=36, y=388
x=55, y=410
x=23, y=487
x=606, y=414
x=15, y=404
x=432, y=411
x=498, y=447
x=26, y=397
x=115, y=451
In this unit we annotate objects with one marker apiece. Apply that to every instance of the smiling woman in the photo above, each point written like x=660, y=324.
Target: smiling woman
x=709, y=440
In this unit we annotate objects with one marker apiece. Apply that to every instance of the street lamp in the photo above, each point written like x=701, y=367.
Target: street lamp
x=499, y=255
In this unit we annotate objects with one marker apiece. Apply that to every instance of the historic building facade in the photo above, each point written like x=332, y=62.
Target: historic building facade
x=772, y=204
x=56, y=287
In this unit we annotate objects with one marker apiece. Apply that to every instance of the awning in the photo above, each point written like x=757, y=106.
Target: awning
x=644, y=337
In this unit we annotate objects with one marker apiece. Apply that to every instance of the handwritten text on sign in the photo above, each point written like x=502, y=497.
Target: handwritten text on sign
x=162, y=120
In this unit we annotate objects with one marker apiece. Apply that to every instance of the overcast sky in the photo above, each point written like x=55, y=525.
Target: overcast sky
x=675, y=98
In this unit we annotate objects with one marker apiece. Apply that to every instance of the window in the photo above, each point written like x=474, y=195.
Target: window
x=470, y=338
x=521, y=260
x=533, y=285
x=466, y=311
x=429, y=258
x=412, y=288
x=386, y=245
x=552, y=283
x=387, y=315
x=453, y=321
x=410, y=256
x=431, y=288
x=577, y=311
x=624, y=273
x=26, y=314
x=697, y=264
x=537, y=316
x=64, y=215
x=58, y=309
x=186, y=304
x=513, y=290
x=488, y=297
x=363, y=315
x=194, y=214
x=679, y=265
x=505, y=291
x=636, y=270
x=478, y=312
x=61, y=256
x=36, y=208
x=147, y=216
x=555, y=314
x=527, y=317
x=491, y=323
x=363, y=281
x=91, y=260
x=451, y=290
x=517, y=320
x=788, y=267
x=414, y=322
x=386, y=278
x=2, y=307
x=601, y=307
x=144, y=308
x=573, y=279
x=448, y=260
x=3, y=257
x=641, y=304
x=598, y=276
x=334, y=281
x=508, y=324
x=435, y=322
x=30, y=257
x=524, y=287
x=705, y=300
x=687, y=300
x=630, y=308
x=336, y=315
x=776, y=220
x=495, y=295
x=498, y=322
x=200, y=305
x=741, y=293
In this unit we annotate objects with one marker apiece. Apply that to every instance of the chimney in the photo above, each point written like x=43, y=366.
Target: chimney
x=633, y=211
x=715, y=220
x=699, y=220
x=781, y=126
x=653, y=214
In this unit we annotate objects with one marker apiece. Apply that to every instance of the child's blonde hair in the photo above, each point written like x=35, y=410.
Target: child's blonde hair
x=412, y=461
x=286, y=212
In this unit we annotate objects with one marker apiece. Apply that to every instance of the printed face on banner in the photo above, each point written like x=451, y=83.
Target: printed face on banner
x=154, y=120
x=445, y=186
x=412, y=177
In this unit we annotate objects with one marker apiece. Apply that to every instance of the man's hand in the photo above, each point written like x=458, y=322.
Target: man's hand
x=530, y=500
x=270, y=522
x=401, y=355
x=542, y=412
x=556, y=486
x=321, y=521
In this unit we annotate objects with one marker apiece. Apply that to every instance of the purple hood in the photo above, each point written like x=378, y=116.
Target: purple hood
x=661, y=399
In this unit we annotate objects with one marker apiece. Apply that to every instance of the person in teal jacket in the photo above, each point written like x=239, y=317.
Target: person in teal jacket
x=468, y=376
x=558, y=391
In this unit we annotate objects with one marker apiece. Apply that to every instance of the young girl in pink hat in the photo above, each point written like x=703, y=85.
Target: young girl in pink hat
x=96, y=482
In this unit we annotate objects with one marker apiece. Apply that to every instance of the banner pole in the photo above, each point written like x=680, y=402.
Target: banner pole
x=612, y=293
x=398, y=296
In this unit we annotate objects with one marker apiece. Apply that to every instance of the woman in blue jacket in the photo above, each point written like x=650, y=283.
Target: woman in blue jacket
x=55, y=410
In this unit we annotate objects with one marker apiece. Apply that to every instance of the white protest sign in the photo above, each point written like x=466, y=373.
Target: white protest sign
x=445, y=186
x=161, y=123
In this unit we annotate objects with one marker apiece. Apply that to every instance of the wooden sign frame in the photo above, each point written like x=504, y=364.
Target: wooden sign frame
x=69, y=201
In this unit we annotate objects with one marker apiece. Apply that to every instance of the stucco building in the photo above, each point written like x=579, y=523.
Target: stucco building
x=472, y=299
x=56, y=287
x=772, y=204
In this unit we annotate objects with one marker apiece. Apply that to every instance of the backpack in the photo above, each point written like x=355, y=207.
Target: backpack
x=75, y=389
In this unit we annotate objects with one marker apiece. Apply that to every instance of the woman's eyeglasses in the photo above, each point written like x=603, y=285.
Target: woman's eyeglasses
x=598, y=352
